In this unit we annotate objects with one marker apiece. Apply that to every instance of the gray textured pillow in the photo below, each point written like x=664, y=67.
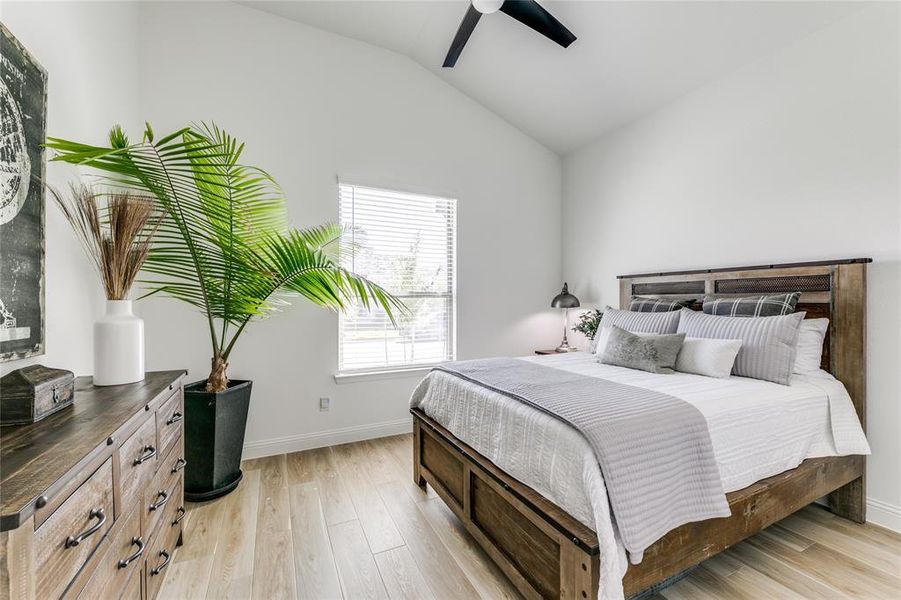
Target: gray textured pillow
x=651, y=353
x=643, y=322
x=768, y=344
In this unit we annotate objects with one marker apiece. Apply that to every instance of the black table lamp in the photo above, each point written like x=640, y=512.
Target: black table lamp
x=566, y=301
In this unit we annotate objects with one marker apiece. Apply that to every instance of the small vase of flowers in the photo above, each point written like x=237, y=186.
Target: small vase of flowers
x=588, y=323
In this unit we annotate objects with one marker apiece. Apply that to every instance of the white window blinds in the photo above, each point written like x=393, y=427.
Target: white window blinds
x=407, y=244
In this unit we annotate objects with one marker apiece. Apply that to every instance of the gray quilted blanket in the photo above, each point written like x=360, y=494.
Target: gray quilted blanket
x=654, y=450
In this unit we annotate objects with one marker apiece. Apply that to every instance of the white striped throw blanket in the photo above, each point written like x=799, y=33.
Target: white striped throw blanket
x=654, y=450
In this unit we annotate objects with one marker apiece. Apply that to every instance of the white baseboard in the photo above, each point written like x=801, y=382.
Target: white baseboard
x=884, y=514
x=331, y=437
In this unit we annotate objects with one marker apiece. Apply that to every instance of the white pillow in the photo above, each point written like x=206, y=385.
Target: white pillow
x=810, y=345
x=709, y=357
x=600, y=340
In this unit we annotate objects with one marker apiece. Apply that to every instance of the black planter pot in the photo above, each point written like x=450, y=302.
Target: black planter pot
x=214, y=437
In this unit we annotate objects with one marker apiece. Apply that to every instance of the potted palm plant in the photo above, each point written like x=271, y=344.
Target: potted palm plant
x=225, y=249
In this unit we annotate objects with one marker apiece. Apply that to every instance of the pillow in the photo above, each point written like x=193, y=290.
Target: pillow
x=651, y=353
x=708, y=357
x=810, y=345
x=644, y=322
x=768, y=344
x=752, y=306
x=633, y=322
x=642, y=304
x=603, y=335
x=600, y=340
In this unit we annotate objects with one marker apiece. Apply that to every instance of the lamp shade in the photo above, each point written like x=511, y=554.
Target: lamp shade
x=564, y=299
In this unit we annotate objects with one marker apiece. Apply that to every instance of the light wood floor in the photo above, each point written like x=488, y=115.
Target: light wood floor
x=348, y=521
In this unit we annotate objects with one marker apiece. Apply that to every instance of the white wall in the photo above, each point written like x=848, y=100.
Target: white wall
x=89, y=53
x=794, y=157
x=312, y=105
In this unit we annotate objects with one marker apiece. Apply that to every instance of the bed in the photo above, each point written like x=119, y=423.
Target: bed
x=532, y=496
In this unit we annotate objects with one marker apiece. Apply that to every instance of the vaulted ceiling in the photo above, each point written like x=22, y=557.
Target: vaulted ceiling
x=631, y=57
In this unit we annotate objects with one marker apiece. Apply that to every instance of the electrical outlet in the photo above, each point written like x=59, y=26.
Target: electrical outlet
x=325, y=403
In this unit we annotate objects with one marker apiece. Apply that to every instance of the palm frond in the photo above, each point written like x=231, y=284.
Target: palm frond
x=223, y=246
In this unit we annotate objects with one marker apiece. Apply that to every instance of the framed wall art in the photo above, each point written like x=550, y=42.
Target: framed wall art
x=23, y=124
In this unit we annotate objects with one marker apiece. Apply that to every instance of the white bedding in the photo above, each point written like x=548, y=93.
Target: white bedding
x=758, y=429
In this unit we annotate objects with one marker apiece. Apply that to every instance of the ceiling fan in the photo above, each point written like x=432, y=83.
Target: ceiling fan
x=527, y=12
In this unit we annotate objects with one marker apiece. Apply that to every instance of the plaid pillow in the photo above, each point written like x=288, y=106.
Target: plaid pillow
x=752, y=306
x=642, y=304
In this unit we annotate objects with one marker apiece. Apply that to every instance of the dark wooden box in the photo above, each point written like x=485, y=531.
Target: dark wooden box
x=31, y=393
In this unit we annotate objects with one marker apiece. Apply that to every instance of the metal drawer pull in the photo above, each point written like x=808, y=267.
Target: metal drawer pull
x=164, y=497
x=175, y=418
x=179, y=465
x=135, y=541
x=181, y=515
x=97, y=513
x=149, y=452
x=157, y=570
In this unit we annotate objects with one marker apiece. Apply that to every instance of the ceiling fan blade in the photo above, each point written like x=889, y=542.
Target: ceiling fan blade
x=529, y=12
x=468, y=23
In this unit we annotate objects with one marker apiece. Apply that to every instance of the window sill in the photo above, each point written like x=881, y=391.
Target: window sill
x=418, y=370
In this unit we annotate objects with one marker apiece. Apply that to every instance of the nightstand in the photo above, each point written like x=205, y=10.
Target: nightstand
x=543, y=352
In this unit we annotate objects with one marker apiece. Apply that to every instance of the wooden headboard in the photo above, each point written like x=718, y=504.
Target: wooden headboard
x=835, y=289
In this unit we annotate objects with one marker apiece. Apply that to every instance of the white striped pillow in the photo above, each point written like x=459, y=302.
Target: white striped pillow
x=768, y=344
x=641, y=322
x=634, y=322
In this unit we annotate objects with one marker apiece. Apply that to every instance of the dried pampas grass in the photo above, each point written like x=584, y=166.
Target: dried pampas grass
x=115, y=230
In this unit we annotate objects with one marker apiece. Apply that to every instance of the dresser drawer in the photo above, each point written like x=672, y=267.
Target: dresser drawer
x=174, y=518
x=124, y=556
x=159, y=493
x=134, y=584
x=175, y=462
x=137, y=464
x=169, y=419
x=162, y=544
x=65, y=541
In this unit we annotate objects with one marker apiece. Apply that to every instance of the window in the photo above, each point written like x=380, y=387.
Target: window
x=407, y=244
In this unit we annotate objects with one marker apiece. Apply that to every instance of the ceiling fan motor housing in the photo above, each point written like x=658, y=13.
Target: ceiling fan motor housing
x=486, y=7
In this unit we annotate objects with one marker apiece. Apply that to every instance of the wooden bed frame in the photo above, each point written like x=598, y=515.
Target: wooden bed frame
x=547, y=553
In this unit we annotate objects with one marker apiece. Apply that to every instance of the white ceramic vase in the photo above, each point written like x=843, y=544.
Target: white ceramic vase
x=118, y=345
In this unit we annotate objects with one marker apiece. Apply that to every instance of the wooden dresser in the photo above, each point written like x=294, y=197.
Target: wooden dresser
x=91, y=497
